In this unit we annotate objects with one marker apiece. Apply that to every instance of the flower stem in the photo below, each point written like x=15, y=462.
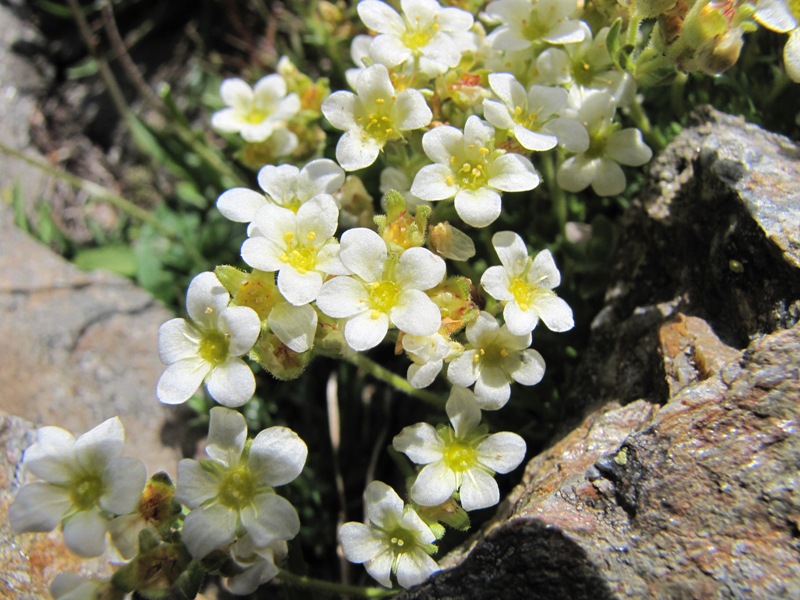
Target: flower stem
x=380, y=372
x=349, y=591
x=558, y=197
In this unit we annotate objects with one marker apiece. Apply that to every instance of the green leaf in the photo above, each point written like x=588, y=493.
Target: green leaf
x=613, y=40
x=117, y=258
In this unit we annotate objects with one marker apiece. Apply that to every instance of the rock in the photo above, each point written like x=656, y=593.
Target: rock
x=715, y=235
x=682, y=481
x=78, y=348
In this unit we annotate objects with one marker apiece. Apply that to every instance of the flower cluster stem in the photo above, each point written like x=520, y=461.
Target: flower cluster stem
x=348, y=591
x=380, y=372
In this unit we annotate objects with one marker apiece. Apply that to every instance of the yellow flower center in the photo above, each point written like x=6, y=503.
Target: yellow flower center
x=302, y=257
x=417, y=37
x=237, y=488
x=459, y=457
x=377, y=124
x=255, y=116
x=528, y=121
x=470, y=174
x=214, y=347
x=86, y=491
x=382, y=297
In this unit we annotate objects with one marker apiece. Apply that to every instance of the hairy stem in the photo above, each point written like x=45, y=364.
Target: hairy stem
x=380, y=372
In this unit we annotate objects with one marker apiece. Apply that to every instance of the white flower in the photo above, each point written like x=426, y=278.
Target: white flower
x=393, y=178
x=525, y=285
x=384, y=290
x=428, y=353
x=529, y=22
x=469, y=168
x=255, y=113
x=87, y=482
x=299, y=246
x=209, y=348
x=285, y=186
x=532, y=117
x=231, y=494
x=609, y=147
x=395, y=540
x=462, y=458
x=425, y=32
x=587, y=64
x=492, y=359
x=257, y=564
x=784, y=17
x=373, y=116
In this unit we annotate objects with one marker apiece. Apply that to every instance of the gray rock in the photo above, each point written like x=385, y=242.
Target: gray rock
x=78, y=348
x=682, y=481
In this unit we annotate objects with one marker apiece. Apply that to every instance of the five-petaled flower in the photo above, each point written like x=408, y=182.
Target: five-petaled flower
x=395, y=540
x=373, y=116
x=492, y=359
x=299, y=246
x=526, y=285
x=462, y=458
x=255, y=113
x=208, y=349
x=231, y=493
x=385, y=289
x=468, y=167
x=432, y=36
x=86, y=483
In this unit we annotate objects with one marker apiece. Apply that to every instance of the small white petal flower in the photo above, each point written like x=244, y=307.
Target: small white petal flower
x=525, y=286
x=255, y=113
x=470, y=169
x=87, y=482
x=231, y=494
x=209, y=348
x=462, y=458
x=284, y=185
x=373, y=116
x=384, y=290
x=299, y=246
x=394, y=541
x=492, y=359
x=532, y=117
x=527, y=22
x=609, y=147
x=425, y=32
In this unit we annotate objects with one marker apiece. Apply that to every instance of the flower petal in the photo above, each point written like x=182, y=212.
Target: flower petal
x=277, y=456
x=478, y=490
x=502, y=452
x=420, y=443
x=366, y=330
x=414, y=567
x=360, y=542
x=270, y=518
x=177, y=340
x=227, y=434
x=295, y=326
x=232, y=383
x=85, y=533
x=181, y=380
x=124, y=479
x=240, y=204
x=208, y=528
x=363, y=252
x=205, y=299
x=434, y=484
x=195, y=485
x=38, y=507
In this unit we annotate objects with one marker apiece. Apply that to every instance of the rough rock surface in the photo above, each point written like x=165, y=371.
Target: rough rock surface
x=682, y=481
x=716, y=235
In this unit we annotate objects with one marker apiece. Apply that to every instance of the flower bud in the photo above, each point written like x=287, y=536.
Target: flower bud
x=452, y=243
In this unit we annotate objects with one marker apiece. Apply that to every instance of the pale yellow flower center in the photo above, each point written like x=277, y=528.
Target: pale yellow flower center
x=214, y=347
x=417, y=37
x=303, y=257
x=470, y=175
x=383, y=297
x=86, y=491
x=459, y=457
x=237, y=488
x=529, y=120
x=377, y=124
